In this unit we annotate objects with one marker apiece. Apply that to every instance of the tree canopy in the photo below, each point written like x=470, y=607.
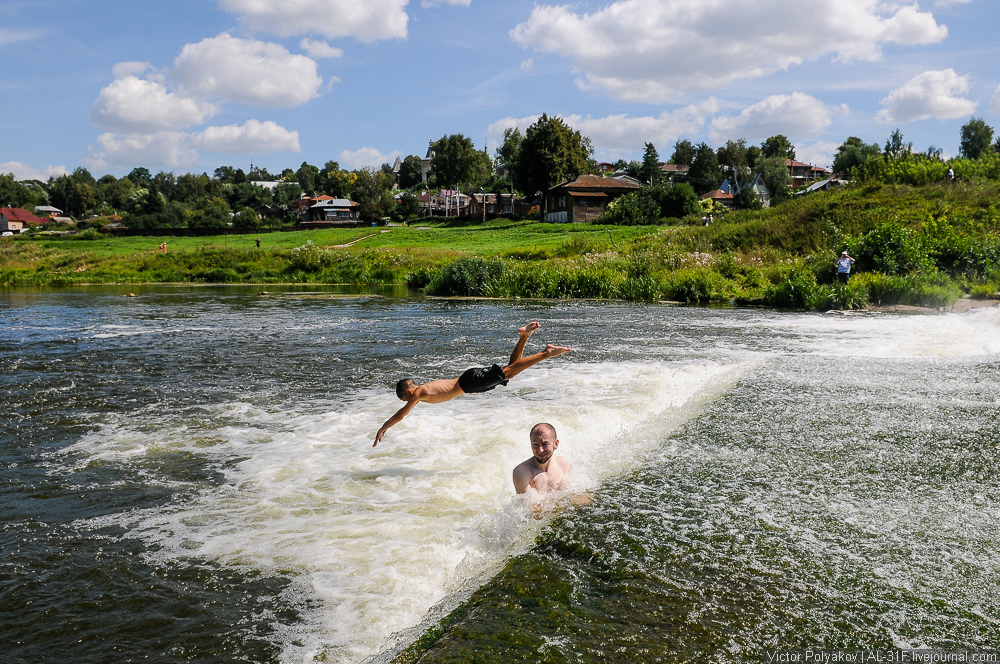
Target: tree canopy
x=976, y=136
x=550, y=153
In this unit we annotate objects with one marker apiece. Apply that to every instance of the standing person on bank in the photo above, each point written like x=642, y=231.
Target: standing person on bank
x=844, y=264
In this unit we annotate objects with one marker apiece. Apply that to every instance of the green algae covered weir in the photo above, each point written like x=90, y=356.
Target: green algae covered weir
x=191, y=479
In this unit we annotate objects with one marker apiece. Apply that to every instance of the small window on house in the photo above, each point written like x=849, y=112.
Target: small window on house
x=582, y=202
x=490, y=209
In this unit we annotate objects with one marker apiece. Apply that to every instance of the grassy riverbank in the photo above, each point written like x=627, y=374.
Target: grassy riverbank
x=921, y=246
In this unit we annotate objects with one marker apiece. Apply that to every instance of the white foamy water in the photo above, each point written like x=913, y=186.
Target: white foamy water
x=377, y=537
x=883, y=335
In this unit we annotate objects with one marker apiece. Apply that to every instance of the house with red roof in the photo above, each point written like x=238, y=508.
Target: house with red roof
x=803, y=174
x=16, y=219
x=585, y=198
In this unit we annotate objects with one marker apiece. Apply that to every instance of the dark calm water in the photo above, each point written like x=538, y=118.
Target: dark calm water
x=187, y=476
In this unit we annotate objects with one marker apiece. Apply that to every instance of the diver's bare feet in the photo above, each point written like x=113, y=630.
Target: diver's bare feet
x=528, y=329
x=552, y=351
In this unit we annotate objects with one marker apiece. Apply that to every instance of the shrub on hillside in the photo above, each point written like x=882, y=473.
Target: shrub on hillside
x=466, y=276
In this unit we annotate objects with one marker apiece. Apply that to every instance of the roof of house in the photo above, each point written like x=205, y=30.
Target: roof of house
x=674, y=168
x=716, y=195
x=799, y=164
x=48, y=208
x=19, y=214
x=596, y=182
x=334, y=203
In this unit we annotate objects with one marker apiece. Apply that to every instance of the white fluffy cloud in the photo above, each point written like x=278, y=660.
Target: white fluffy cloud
x=253, y=137
x=817, y=154
x=23, y=171
x=320, y=49
x=367, y=20
x=658, y=50
x=616, y=135
x=366, y=158
x=169, y=149
x=933, y=94
x=135, y=105
x=246, y=70
x=793, y=115
x=435, y=3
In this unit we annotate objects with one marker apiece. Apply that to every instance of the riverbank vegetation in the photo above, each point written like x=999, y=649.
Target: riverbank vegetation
x=921, y=245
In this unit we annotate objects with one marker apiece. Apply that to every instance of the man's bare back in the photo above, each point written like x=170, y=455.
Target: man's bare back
x=544, y=471
x=474, y=380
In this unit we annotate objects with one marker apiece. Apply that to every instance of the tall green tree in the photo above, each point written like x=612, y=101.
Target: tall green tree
x=734, y=160
x=705, y=174
x=550, y=153
x=455, y=160
x=410, y=174
x=509, y=152
x=307, y=177
x=74, y=193
x=334, y=181
x=852, y=153
x=373, y=192
x=976, y=137
x=777, y=178
x=141, y=177
x=683, y=153
x=896, y=147
x=778, y=146
x=650, y=172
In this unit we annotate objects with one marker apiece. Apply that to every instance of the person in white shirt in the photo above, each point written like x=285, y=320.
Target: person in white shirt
x=844, y=264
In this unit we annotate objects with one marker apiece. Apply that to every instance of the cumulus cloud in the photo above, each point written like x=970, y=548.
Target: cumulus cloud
x=246, y=70
x=817, y=154
x=135, y=105
x=23, y=171
x=933, y=94
x=366, y=21
x=615, y=135
x=366, y=157
x=168, y=149
x=253, y=137
x=435, y=3
x=125, y=69
x=793, y=115
x=320, y=49
x=659, y=50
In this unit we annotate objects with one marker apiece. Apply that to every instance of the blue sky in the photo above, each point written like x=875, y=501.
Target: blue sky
x=190, y=85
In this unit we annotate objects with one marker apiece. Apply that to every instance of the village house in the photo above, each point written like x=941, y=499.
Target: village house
x=718, y=196
x=674, y=172
x=332, y=211
x=15, y=220
x=480, y=204
x=804, y=174
x=585, y=198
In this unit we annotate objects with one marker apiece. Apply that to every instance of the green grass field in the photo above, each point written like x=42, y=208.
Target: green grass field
x=915, y=245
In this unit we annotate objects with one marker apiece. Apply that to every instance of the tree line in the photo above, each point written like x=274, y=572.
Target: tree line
x=526, y=163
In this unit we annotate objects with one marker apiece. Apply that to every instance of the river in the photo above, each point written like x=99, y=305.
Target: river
x=188, y=476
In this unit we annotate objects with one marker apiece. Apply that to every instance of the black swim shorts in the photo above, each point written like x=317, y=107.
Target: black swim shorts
x=482, y=379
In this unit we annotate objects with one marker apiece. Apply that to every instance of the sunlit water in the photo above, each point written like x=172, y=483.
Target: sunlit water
x=188, y=476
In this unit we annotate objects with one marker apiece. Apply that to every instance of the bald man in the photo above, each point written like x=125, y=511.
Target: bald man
x=544, y=471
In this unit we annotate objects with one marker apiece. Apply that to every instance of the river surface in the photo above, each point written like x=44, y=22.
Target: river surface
x=188, y=476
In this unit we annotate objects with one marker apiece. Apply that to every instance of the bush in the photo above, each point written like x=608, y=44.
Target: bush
x=891, y=249
x=309, y=258
x=984, y=292
x=793, y=292
x=632, y=209
x=90, y=234
x=689, y=287
x=466, y=276
x=419, y=278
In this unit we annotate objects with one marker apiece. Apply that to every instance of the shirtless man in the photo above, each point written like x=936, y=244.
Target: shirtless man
x=544, y=471
x=479, y=379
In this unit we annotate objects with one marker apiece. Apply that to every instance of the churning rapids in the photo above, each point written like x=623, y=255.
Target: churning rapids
x=188, y=477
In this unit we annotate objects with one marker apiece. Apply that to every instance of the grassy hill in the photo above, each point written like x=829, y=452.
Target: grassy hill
x=915, y=245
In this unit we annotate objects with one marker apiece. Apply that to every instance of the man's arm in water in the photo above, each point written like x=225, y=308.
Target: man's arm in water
x=395, y=419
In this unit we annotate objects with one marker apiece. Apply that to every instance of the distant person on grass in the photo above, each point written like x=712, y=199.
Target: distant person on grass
x=844, y=264
x=479, y=379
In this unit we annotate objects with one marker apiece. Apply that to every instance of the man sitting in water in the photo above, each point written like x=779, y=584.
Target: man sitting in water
x=479, y=379
x=544, y=471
